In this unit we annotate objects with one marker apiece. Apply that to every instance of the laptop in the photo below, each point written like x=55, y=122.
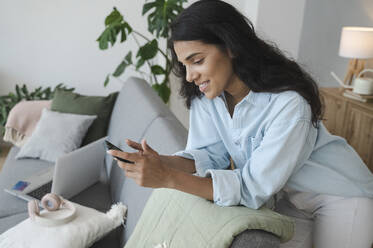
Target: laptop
x=72, y=173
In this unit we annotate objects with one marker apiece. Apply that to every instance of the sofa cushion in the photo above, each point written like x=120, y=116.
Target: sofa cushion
x=139, y=113
x=166, y=135
x=55, y=135
x=14, y=170
x=101, y=106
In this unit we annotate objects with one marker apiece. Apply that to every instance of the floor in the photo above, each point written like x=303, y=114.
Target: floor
x=4, y=152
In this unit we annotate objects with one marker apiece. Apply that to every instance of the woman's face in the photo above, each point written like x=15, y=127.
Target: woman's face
x=207, y=66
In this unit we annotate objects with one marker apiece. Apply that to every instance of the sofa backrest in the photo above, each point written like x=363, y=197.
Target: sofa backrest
x=139, y=113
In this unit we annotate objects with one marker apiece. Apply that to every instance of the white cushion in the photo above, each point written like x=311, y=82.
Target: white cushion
x=88, y=227
x=55, y=135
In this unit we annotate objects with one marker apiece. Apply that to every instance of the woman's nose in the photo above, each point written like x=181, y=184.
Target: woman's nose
x=190, y=75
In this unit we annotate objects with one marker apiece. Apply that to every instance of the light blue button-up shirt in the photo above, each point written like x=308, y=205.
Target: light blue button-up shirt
x=273, y=144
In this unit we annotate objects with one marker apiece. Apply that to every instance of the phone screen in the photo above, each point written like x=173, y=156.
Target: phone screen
x=110, y=146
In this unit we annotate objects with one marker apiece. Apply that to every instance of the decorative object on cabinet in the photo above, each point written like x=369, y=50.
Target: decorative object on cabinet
x=352, y=120
x=360, y=86
x=358, y=97
x=357, y=44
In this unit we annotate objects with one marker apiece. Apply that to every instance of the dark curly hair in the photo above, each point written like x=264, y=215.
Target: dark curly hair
x=261, y=66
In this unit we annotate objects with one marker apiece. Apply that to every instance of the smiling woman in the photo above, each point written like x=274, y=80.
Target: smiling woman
x=252, y=105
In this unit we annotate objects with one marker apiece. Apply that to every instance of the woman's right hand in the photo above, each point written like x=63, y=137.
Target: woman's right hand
x=175, y=162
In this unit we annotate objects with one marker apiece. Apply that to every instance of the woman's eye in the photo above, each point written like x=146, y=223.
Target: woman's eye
x=198, y=62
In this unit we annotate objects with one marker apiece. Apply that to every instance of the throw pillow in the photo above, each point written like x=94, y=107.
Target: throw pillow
x=69, y=102
x=173, y=218
x=55, y=135
x=88, y=226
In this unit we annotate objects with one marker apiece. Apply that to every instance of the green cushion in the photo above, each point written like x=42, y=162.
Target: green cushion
x=184, y=220
x=69, y=102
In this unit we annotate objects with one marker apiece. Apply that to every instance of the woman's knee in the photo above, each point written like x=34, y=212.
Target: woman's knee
x=346, y=223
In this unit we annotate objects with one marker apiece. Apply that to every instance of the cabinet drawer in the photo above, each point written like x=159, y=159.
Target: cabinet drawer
x=358, y=131
x=350, y=119
x=335, y=109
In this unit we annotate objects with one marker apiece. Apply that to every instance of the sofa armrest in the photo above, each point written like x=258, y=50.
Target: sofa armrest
x=255, y=238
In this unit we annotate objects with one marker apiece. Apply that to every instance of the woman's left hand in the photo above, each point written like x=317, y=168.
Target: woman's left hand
x=148, y=169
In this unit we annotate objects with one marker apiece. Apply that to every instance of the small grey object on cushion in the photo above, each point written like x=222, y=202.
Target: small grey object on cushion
x=55, y=135
x=255, y=238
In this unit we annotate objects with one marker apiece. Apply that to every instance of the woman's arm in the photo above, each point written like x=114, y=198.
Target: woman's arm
x=191, y=184
x=179, y=163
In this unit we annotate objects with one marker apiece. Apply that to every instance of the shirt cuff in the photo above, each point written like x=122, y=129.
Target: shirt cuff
x=226, y=187
x=201, y=160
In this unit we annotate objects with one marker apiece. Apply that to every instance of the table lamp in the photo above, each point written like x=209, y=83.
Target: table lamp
x=357, y=44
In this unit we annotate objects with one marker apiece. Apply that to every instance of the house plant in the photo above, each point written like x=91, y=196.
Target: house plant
x=7, y=102
x=160, y=14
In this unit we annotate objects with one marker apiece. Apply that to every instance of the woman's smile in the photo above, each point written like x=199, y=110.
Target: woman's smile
x=203, y=86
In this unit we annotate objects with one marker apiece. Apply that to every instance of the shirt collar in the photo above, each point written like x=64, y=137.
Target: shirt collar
x=255, y=98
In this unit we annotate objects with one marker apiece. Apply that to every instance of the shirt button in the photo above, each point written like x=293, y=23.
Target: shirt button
x=237, y=142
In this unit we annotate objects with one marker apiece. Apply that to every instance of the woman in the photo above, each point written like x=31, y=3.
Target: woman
x=251, y=105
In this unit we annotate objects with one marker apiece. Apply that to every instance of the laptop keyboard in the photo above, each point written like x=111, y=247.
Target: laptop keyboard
x=41, y=191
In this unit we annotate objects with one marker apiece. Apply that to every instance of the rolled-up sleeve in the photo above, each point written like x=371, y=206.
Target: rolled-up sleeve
x=204, y=144
x=283, y=148
x=226, y=186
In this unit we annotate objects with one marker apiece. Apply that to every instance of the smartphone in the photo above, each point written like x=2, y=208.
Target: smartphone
x=110, y=146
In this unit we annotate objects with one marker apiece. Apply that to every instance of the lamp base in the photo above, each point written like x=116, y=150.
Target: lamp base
x=355, y=66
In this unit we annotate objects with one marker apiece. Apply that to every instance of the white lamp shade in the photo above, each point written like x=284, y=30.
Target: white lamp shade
x=356, y=42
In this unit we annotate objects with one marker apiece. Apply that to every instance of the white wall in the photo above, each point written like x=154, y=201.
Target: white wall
x=281, y=22
x=248, y=7
x=46, y=42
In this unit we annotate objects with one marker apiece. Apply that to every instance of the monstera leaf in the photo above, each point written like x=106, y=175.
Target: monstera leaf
x=162, y=12
x=115, y=24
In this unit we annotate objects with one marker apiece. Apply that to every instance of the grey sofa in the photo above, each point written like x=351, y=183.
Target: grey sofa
x=138, y=113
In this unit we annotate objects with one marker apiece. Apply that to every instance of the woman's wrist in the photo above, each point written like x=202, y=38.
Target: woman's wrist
x=170, y=178
x=186, y=182
x=178, y=163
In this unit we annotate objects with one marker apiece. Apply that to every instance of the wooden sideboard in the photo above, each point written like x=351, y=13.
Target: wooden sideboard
x=351, y=119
